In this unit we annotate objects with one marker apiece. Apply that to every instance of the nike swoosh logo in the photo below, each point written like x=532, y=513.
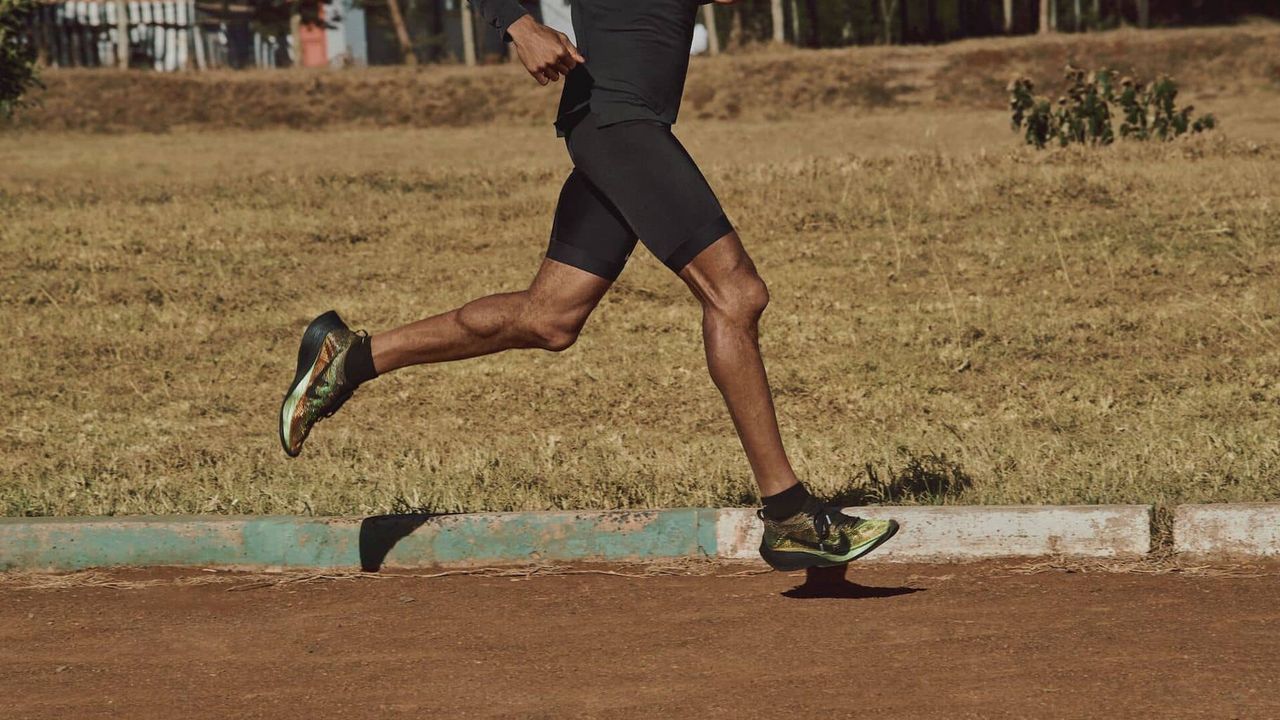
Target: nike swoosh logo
x=841, y=547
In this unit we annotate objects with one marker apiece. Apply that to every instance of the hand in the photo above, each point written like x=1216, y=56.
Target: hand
x=547, y=54
x=724, y=2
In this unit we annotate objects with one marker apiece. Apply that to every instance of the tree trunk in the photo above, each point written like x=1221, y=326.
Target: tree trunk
x=468, y=36
x=795, y=22
x=1045, y=27
x=1144, y=13
x=1077, y=21
x=1008, y=16
x=295, y=37
x=737, y=36
x=888, y=9
x=402, y=33
x=122, y=33
x=713, y=37
x=811, y=8
x=779, y=23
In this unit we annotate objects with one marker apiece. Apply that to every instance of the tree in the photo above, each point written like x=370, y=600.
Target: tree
x=17, y=55
x=402, y=31
x=779, y=28
x=468, y=35
x=713, y=35
x=737, y=36
x=1008, y=16
x=122, y=34
x=1144, y=13
x=1046, y=25
x=811, y=11
x=888, y=9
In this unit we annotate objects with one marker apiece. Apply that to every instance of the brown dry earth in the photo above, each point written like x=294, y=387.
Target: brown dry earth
x=764, y=84
x=906, y=641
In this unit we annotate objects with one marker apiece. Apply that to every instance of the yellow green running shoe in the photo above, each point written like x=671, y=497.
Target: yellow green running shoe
x=320, y=386
x=820, y=536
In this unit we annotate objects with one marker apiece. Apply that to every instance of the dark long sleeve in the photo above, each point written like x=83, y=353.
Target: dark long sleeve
x=499, y=14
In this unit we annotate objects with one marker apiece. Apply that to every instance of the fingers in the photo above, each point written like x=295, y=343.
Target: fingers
x=572, y=51
x=553, y=69
x=557, y=62
x=568, y=57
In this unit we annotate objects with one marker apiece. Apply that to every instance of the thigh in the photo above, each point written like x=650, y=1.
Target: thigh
x=588, y=232
x=565, y=292
x=644, y=171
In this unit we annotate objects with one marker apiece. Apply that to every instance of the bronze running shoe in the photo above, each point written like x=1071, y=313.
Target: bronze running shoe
x=320, y=387
x=820, y=536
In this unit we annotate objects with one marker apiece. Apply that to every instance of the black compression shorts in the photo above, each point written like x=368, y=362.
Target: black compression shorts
x=632, y=180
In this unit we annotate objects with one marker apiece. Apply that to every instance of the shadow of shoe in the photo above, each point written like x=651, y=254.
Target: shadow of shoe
x=830, y=582
x=380, y=533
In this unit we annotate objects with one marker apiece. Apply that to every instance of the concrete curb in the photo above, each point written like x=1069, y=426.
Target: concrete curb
x=369, y=543
x=1233, y=530
x=942, y=533
x=928, y=534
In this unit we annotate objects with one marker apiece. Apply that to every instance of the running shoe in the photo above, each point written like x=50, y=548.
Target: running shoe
x=320, y=387
x=820, y=536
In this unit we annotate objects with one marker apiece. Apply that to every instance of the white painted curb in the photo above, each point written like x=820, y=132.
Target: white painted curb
x=977, y=532
x=1227, y=530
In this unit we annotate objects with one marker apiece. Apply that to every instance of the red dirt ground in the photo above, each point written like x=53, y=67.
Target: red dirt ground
x=969, y=641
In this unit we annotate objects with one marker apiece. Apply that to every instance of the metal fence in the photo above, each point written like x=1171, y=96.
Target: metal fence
x=166, y=35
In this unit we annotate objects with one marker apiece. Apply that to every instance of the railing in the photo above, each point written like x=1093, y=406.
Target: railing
x=167, y=35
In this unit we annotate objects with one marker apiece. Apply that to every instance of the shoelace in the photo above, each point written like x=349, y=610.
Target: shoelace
x=827, y=518
x=822, y=523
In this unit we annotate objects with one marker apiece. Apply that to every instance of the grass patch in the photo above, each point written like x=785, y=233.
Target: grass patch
x=985, y=326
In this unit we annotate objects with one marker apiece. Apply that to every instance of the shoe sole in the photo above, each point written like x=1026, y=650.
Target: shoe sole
x=791, y=561
x=308, y=356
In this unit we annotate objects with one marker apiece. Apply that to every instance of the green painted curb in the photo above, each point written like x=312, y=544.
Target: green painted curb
x=370, y=543
x=929, y=533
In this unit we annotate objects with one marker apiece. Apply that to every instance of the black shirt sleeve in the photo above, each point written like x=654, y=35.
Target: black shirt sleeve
x=499, y=14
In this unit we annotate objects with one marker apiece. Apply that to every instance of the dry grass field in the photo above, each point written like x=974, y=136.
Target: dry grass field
x=955, y=318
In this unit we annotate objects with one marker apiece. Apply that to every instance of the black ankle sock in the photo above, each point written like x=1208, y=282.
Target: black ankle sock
x=786, y=503
x=359, y=367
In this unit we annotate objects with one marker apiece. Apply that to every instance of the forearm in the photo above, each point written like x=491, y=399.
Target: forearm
x=499, y=14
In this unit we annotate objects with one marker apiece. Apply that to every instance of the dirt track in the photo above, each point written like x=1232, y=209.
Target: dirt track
x=931, y=641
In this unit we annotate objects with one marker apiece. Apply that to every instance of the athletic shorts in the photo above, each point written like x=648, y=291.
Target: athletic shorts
x=632, y=180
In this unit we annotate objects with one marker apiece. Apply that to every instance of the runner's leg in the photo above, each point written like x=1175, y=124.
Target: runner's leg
x=733, y=296
x=549, y=315
x=644, y=170
x=660, y=192
x=590, y=244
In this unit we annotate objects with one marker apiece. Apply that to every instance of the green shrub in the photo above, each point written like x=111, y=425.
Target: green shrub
x=1083, y=113
x=17, y=56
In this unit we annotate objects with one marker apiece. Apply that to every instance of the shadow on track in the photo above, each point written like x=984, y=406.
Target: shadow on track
x=831, y=583
x=380, y=533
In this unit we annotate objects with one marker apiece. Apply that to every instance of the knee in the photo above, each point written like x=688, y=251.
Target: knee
x=741, y=300
x=754, y=297
x=556, y=333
